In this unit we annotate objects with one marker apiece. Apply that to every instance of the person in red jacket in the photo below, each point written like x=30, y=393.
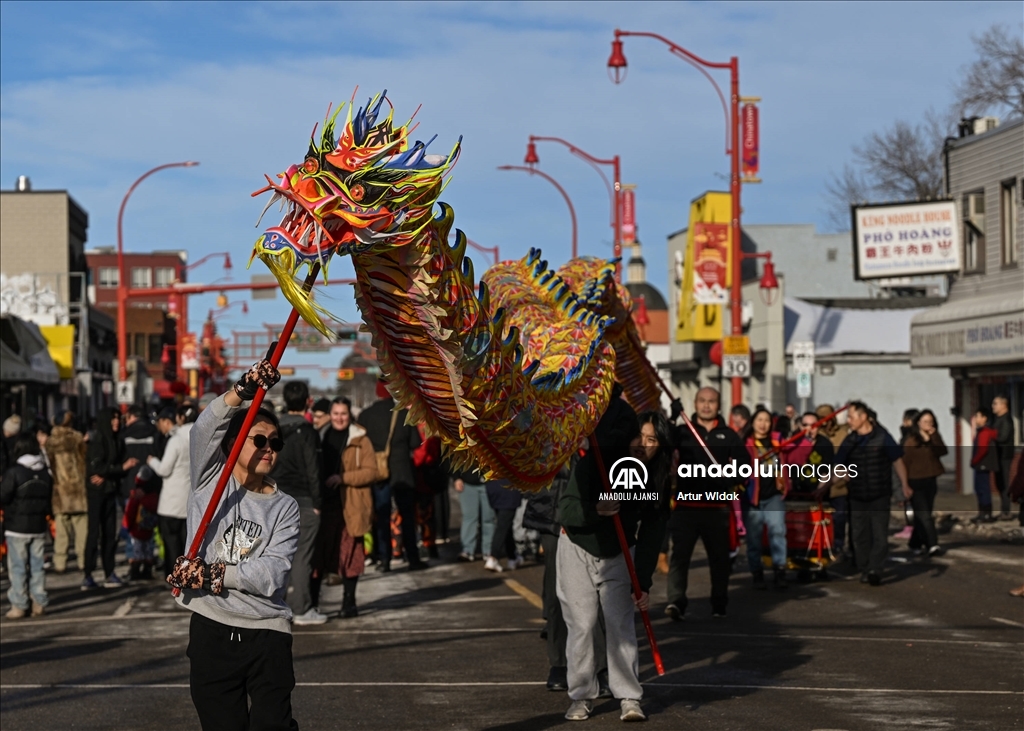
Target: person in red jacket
x=984, y=461
x=426, y=461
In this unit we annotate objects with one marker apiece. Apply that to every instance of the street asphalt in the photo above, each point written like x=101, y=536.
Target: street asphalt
x=940, y=645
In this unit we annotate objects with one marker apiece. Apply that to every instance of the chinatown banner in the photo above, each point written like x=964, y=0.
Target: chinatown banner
x=709, y=248
x=628, y=215
x=905, y=239
x=751, y=141
x=704, y=259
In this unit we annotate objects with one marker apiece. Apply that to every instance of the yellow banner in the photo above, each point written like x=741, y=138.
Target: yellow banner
x=707, y=270
x=60, y=341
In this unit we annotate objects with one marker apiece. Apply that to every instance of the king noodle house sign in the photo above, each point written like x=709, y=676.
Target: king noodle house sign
x=905, y=239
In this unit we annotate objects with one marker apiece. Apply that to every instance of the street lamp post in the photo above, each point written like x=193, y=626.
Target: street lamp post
x=568, y=201
x=122, y=286
x=617, y=67
x=614, y=189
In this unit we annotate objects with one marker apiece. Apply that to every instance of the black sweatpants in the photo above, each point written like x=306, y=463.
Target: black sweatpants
x=241, y=679
x=503, y=545
x=173, y=531
x=711, y=525
x=103, y=526
x=869, y=521
x=923, y=502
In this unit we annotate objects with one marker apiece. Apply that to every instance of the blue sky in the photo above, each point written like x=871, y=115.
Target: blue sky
x=94, y=94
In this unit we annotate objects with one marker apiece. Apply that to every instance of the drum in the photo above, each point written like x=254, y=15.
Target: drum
x=808, y=528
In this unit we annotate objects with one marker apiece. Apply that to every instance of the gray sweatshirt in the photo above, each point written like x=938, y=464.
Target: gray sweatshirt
x=254, y=534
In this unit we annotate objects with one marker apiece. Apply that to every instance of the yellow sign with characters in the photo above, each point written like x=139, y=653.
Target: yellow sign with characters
x=706, y=269
x=735, y=345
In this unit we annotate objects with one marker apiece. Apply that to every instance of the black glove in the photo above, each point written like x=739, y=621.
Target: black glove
x=677, y=409
x=262, y=375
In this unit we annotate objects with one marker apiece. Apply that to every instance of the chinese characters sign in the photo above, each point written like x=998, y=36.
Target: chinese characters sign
x=906, y=239
x=628, y=215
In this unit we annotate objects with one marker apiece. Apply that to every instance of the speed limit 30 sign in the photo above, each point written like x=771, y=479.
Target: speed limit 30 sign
x=736, y=356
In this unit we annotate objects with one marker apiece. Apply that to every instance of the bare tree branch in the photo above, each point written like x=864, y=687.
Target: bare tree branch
x=994, y=82
x=842, y=191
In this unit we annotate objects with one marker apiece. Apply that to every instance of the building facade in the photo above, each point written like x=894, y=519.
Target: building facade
x=977, y=336
x=45, y=281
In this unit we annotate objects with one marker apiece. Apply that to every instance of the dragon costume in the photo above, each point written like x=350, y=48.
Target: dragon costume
x=512, y=373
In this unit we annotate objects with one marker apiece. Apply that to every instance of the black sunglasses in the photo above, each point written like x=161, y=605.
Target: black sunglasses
x=260, y=441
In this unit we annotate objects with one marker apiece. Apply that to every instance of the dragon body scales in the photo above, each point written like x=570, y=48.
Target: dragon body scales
x=512, y=373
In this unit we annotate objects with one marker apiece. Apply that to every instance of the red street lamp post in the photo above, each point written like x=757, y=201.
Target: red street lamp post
x=492, y=250
x=614, y=189
x=181, y=305
x=617, y=68
x=122, y=287
x=568, y=201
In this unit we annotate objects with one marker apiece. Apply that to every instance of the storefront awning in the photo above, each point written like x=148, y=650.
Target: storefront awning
x=968, y=332
x=24, y=353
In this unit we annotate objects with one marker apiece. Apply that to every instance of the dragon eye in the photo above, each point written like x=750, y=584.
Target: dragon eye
x=311, y=165
x=357, y=192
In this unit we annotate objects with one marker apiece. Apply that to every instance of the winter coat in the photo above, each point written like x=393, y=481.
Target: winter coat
x=376, y=419
x=922, y=458
x=25, y=493
x=66, y=451
x=761, y=488
x=141, y=440
x=104, y=457
x=541, y=512
x=502, y=496
x=985, y=456
x=872, y=455
x=174, y=468
x=358, y=473
x=297, y=471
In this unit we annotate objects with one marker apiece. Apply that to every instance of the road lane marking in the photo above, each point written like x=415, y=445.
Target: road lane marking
x=1007, y=621
x=518, y=683
x=125, y=608
x=983, y=557
x=839, y=638
x=103, y=618
x=527, y=594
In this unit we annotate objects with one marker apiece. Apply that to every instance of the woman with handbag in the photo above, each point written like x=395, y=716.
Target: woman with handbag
x=350, y=469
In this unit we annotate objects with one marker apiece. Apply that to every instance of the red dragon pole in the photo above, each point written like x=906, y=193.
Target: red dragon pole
x=277, y=353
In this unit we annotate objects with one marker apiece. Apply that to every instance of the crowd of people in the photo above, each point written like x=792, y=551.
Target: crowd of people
x=319, y=494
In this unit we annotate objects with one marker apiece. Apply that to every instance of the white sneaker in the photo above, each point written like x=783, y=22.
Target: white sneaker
x=312, y=616
x=631, y=710
x=491, y=564
x=579, y=710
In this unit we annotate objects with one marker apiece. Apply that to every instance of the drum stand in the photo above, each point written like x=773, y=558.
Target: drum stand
x=818, y=536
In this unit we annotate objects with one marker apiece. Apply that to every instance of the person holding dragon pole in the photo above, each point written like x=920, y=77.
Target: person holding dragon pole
x=240, y=643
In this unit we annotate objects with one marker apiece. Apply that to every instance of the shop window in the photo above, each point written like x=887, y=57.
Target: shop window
x=108, y=277
x=142, y=278
x=1009, y=212
x=139, y=345
x=164, y=276
x=974, y=232
x=156, y=348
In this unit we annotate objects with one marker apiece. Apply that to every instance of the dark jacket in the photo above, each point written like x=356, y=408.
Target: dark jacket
x=140, y=440
x=104, y=457
x=922, y=458
x=502, y=496
x=541, y=512
x=725, y=446
x=297, y=470
x=376, y=419
x=25, y=494
x=872, y=456
x=1004, y=440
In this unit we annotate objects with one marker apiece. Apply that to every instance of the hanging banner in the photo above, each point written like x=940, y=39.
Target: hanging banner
x=189, y=352
x=628, y=215
x=751, y=141
x=709, y=248
x=699, y=321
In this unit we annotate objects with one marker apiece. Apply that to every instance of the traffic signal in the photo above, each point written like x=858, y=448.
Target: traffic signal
x=346, y=374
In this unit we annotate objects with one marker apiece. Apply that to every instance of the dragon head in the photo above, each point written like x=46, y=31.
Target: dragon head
x=368, y=190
